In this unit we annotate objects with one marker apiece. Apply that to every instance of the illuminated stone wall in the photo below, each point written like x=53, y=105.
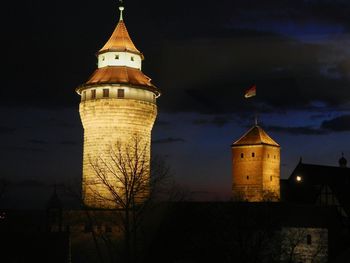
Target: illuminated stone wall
x=256, y=173
x=106, y=122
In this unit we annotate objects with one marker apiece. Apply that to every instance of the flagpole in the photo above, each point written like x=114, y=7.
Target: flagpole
x=250, y=93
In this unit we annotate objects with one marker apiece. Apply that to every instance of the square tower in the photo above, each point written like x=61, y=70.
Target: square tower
x=255, y=167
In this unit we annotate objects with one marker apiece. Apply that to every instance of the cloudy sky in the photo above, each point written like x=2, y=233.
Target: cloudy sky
x=203, y=55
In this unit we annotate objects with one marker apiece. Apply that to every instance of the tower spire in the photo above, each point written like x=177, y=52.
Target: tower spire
x=121, y=9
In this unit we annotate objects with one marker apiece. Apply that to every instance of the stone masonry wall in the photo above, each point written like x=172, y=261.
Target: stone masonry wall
x=107, y=122
x=255, y=173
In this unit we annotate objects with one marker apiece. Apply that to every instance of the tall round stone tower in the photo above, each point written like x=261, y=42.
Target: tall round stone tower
x=118, y=102
x=255, y=167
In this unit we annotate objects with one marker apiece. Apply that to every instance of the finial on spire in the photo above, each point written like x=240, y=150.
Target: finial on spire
x=256, y=120
x=121, y=9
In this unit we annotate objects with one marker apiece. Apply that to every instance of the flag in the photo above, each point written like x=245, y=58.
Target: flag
x=251, y=92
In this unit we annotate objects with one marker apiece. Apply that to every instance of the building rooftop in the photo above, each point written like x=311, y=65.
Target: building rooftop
x=311, y=184
x=120, y=75
x=120, y=41
x=254, y=136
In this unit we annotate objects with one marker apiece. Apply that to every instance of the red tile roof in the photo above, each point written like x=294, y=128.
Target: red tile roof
x=256, y=135
x=121, y=75
x=120, y=41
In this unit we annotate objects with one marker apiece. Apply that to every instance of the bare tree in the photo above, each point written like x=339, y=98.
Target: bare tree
x=124, y=183
x=296, y=247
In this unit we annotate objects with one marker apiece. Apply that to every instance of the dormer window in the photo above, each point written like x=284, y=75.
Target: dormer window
x=116, y=56
x=132, y=58
x=103, y=58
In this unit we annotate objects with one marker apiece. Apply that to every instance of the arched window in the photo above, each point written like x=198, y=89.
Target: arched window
x=253, y=154
x=242, y=155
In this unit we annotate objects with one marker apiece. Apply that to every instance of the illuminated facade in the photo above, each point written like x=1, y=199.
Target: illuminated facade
x=255, y=167
x=118, y=102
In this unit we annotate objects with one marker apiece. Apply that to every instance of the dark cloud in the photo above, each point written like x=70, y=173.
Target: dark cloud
x=317, y=116
x=162, y=123
x=218, y=121
x=56, y=122
x=29, y=183
x=204, y=67
x=302, y=130
x=24, y=149
x=34, y=141
x=287, y=74
x=168, y=140
x=72, y=143
x=7, y=130
x=338, y=124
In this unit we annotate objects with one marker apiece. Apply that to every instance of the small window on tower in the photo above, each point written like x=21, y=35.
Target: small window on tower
x=247, y=177
x=105, y=93
x=242, y=155
x=93, y=94
x=116, y=56
x=132, y=58
x=274, y=157
x=83, y=96
x=253, y=154
x=270, y=178
x=121, y=93
x=268, y=155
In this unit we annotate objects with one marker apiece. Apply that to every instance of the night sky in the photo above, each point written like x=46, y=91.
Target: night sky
x=203, y=55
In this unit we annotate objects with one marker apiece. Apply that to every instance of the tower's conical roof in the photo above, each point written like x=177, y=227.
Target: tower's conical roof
x=120, y=40
x=254, y=136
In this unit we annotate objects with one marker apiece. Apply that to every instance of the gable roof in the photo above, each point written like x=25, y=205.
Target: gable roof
x=255, y=136
x=314, y=179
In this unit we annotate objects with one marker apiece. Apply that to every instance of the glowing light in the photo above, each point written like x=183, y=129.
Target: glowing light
x=298, y=178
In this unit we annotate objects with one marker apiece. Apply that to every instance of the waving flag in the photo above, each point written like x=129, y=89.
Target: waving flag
x=251, y=92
